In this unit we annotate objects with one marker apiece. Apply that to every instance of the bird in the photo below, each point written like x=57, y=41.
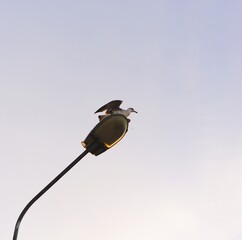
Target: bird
x=113, y=107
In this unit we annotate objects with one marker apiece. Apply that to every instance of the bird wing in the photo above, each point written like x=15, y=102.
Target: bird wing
x=109, y=107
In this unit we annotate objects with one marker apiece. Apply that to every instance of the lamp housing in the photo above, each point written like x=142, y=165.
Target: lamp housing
x=108, y=132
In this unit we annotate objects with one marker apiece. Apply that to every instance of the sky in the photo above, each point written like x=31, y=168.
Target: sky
x=177, y=172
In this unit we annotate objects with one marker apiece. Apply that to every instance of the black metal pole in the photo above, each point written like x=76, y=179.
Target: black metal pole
x=45, y=190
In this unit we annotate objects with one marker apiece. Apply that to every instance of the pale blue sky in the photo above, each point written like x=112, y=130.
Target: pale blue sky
x=177, y=173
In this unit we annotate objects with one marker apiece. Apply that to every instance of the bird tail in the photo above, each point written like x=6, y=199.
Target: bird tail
x=101, y=117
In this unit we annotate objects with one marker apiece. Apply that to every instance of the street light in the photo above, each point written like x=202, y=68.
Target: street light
x=103, y=136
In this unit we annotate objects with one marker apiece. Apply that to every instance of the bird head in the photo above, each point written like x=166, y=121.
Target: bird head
x=132, y=110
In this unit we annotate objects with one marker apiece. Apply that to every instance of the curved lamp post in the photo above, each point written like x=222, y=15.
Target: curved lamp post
x=103, y=136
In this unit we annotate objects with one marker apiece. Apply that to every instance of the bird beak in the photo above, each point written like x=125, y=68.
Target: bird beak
x=134, y=111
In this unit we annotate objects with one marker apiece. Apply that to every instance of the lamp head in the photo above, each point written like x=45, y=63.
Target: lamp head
x=106, y=134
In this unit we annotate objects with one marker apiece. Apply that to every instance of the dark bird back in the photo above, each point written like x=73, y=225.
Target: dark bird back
x=110, y=107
